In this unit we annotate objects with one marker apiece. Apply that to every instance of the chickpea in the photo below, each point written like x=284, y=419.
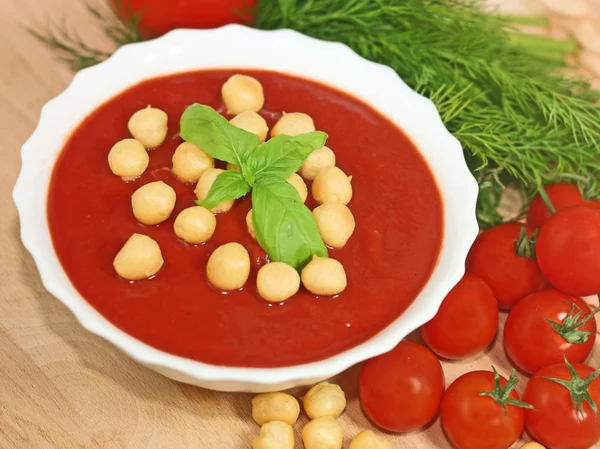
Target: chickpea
x=249, y=224
x=532, y=445
x=128, y=159
x=205, y=183
x=140, y=258
x=299, y=185
x=274, y=435
x=233, y=167
x=195, y=225
x=279, y=406
x=242, y=93
x=331, y=185
x=368, y=440
x=293, y=124
x=228, y=267
x=153, y=202
x=319, y=159
x=323, y=433
x=277, y=281
x=149, y=126
x=189, y=162
x=324, y=276
x=252, y=122
x=335, y=222
x=324, y=399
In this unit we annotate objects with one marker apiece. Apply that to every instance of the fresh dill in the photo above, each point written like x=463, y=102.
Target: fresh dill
x=502, y=94
x=75, y=52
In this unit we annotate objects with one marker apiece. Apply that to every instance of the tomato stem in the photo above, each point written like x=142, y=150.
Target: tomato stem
x=591, y=314
x=525, y=246
x=568, y=329
x=578, y=388
x=502, y=394
x=547, y=199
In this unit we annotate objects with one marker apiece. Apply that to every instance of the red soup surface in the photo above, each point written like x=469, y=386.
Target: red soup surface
x=388, y=259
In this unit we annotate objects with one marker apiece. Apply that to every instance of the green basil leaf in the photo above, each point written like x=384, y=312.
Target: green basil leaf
x=229, y=185
x=282, y=155
x=209, y=130
x=284, y=226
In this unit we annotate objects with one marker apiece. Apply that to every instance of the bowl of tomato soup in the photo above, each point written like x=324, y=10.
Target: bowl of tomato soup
x=413, y=204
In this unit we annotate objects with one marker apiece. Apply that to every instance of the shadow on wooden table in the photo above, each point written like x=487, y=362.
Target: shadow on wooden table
x=97, y=355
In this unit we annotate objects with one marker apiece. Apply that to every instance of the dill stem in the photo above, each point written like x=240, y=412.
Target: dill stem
x=591, y=315
x=543, y=46
x=536, y=21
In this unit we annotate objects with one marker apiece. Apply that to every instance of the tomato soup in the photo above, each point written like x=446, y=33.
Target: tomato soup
x=388, y=259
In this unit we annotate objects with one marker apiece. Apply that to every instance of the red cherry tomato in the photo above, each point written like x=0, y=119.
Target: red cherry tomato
x=474, y=421
x=532, y=342
x=160, y=16
x=494, y=259
x=401, y=390
x=556, y=422
x=562, y=195
x=466, y=322
x=568, y=250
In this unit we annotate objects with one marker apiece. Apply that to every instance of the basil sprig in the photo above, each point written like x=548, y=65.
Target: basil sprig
x=284, y=226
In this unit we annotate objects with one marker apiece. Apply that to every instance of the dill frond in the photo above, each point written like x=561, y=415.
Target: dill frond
x=120, y=31
x=503, y=95
x=75, y=52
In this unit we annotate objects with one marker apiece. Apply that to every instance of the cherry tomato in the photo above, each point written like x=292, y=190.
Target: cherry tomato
x=562, y=195
x=474, y=421
x=160, y=16
x=568, y=250
x=563, y=417
x=532, y=341
x=466, y=322
x=494, y=259
x=401, y=390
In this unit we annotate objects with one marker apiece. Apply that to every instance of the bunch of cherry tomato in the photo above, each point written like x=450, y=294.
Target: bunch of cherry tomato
x=538, y=272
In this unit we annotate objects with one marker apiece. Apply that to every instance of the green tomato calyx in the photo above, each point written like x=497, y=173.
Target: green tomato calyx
x=569, y=328
x=525, y=246
x=502, y=394
x=578, y=388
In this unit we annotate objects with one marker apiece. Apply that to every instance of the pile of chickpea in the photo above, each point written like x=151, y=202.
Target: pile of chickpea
x=228, y=267
x=276, y=413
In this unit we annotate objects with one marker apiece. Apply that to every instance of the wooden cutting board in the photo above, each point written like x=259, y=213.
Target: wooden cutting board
x=61, y=387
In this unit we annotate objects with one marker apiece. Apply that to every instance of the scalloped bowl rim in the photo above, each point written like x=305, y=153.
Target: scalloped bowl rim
x=236, y=46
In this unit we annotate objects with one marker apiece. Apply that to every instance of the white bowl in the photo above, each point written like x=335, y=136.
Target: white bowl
x=287, y=51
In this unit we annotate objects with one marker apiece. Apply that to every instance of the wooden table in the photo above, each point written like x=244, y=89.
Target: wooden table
x=61, y=387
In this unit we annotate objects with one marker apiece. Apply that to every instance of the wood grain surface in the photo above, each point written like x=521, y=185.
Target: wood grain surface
x=61, y=387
